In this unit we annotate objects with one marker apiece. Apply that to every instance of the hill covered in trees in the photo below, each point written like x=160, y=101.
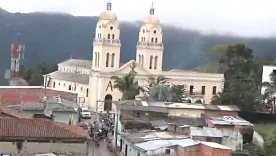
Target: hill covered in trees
x=51, y=38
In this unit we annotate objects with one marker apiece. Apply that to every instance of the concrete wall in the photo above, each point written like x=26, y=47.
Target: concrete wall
x=62, y=117
x=29, y=148
x=131, y=151
x=184, y=112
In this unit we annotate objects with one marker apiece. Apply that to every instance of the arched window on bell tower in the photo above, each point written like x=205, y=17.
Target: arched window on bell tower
x=150, y=63
x=112, y=59
x=155, y=62
x=107, y=60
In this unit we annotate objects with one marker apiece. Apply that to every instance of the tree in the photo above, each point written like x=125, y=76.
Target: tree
x=127, y=86
x=178, y=93
x=36, y=78
x=155, y=81
x=160, y=92
x=242, y=82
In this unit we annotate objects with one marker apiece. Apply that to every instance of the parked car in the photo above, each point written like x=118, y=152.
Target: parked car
x=86, y=113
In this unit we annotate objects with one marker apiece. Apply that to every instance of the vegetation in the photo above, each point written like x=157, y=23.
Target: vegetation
x=161, y=92
x=242, y=79
x=270, y=86
x=34, y=76
x=179, y=93
x=128, y=86
x=52, y=38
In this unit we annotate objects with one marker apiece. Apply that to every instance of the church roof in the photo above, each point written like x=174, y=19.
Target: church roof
x=77, y=63
x=67, y=76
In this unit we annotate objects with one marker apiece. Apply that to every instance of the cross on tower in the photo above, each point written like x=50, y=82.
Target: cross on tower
x=132, y=66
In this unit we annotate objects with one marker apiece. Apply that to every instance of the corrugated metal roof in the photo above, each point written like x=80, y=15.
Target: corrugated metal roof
x=227, y=120
x=206, y=132
x=157, y=144
x=67, y=76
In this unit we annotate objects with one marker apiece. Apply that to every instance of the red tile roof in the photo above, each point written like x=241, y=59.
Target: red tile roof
x=13, y=95
x=39, y=128
x=14, y=114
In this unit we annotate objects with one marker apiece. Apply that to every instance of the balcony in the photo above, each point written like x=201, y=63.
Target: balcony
x=102, y=41
x=196, y=95
x=149, y=45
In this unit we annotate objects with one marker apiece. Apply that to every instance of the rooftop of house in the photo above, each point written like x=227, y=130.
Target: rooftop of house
x=56, y=103
x=70, y=76
x=13, y=113
x=39, y=128
x=227, y=120
x=87, y=64
x=181, y=120
x=206, y=132
x=154, y=106
x=147, y=135
x=157, y=144
x=141, y=106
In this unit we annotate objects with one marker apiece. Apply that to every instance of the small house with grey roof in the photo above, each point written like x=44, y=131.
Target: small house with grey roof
x=63, y=110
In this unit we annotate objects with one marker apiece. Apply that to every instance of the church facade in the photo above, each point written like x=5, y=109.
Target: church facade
x=91, y=79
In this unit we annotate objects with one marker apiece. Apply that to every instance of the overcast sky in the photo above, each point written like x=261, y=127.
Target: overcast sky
x=242, y=17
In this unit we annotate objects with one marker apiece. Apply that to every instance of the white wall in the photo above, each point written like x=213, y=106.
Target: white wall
x=267, y=70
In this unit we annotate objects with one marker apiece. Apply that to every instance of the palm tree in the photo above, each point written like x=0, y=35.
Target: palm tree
x=160, y=92
x=127, y=86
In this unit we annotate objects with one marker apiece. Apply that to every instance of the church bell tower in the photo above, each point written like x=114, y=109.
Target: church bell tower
x=107, y=44
x=150, y=45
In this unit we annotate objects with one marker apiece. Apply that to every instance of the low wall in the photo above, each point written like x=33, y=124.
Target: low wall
x=32, y=148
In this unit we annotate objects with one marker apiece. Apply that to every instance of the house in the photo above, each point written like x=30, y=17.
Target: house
x=196, y=110
x=177, y=124
x=14, y=95
x=25, y=137
x=163, y=143
x=136, y=114
x=64, y=111
x=236, y=131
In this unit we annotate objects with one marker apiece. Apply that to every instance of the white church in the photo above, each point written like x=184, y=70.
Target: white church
x=91, y=79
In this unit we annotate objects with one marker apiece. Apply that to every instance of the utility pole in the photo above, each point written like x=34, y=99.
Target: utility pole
x=95, y=126
x=75, y=79
x=45, y=91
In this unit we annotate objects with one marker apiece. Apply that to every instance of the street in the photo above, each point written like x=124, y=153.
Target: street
x=102, y=149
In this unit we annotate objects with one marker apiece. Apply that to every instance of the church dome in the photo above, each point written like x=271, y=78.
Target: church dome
x=152, y=19
x=108, y=14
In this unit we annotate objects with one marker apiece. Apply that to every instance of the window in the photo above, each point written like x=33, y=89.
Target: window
x=112, y=60
x=96, y=58
x=108, y=36
x=98, y=61
x=113, y=36
x=54, y=84
x=203, y=90
x=69, y=87
x=87, y=92
x=150, y=63
x=138, y=154
x=155, y=62
x=58, y=84
x=154, y=31
x=107, y=60
x=111, y=28
x=143, y=31
x=214, y=90
x=191, y=89
x=139, y=57
x=142, y=60
x=100, y=35
x=81, y=88
x=100, y=27
x=138, y=115
x=156, y=40
x=168, y=151
x=141, y=39
x=152, y=39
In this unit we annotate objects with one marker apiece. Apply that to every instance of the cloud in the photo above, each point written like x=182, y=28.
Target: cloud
x=243, y=17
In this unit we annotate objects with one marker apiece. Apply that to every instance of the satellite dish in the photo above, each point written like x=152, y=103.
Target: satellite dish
x=48, y=111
